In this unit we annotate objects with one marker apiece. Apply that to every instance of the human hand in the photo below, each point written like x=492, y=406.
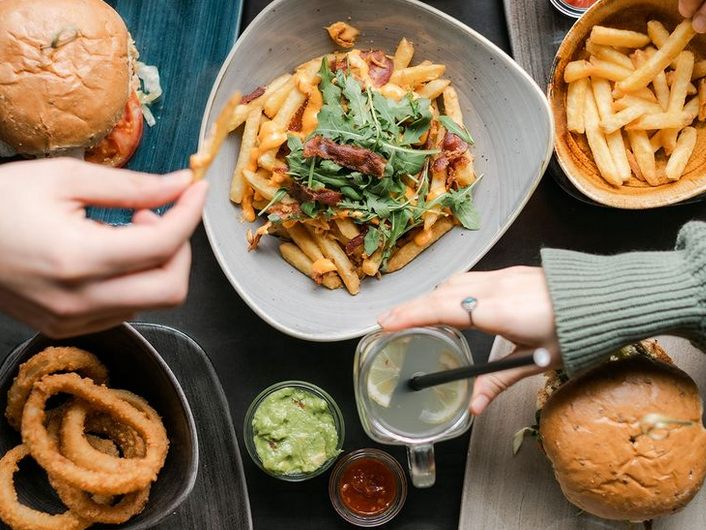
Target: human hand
x=696, y=10
x=65, y=274
x=513, y=303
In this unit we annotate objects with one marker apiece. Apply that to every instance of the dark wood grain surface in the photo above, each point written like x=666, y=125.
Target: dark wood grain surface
x=249, y=355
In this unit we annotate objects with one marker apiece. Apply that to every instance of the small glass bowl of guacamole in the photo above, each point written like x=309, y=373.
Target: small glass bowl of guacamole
x=293, y=430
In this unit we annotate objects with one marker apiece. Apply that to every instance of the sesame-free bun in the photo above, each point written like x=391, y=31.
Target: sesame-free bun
x=605, y=461
x=64, y=73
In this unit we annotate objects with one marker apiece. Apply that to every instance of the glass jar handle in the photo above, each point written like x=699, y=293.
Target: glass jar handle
x=422, y=467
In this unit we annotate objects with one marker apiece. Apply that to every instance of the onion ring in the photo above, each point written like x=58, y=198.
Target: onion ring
x=48, y=361
x=76, y=447
x=21, y=517
x=45, y=452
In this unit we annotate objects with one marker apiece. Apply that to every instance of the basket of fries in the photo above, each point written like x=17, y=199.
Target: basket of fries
x=628, y=93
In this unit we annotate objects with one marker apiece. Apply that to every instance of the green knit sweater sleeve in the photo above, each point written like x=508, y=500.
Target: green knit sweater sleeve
x=604, y=302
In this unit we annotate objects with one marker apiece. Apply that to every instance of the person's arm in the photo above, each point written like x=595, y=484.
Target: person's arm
x=695, y=9
x=65, y=274
x=579, y=307
x=604, y=302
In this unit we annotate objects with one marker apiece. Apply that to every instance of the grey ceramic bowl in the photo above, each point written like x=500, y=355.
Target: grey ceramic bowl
x=504, y=109
x=134, y=365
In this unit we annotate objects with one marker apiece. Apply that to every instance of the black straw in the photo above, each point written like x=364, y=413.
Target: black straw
x=420, y=382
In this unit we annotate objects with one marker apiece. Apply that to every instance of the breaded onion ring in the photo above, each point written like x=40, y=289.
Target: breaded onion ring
x=21, y=517
x=45, y=451
x=76, y=447
x=48, y=361
x=95, y=508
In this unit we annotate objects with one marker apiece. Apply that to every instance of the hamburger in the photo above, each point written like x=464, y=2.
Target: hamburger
x=625, y=440
x=70, y=81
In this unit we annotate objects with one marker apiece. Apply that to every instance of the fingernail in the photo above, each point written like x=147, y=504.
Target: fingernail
x=382, y=319
x=700, y=23
x=478, y=404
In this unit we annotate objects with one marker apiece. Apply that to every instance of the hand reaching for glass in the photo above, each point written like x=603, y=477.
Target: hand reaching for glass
x=513, y=303
x=65, y=274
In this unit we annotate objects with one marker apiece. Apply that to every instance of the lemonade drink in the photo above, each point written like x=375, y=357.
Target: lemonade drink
x=424, y=413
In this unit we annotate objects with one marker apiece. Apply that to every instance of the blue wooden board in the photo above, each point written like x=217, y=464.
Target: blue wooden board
x=188, y=41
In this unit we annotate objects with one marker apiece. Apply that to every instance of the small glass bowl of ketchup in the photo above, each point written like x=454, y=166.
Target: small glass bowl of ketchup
x=367, y=487
x=573, y=8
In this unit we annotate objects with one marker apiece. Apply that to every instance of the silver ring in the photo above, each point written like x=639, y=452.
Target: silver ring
x=468, y=304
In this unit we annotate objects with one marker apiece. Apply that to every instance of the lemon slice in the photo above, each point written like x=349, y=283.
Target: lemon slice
x=445, y=400
x=385, y=372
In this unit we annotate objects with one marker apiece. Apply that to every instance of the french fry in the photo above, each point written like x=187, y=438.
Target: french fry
x=635, y=167
x=269, y=161
x=416, y=75
x=702, y=99
x=608, y=70
x=403, y=54
x=276, y=98
x=247, y=144
x=630, y=101
x=202, y=160
x=240, y=114
x=575, y=104
x=259, y=182
x=348, y=228
x=433, y=89
x=305, y=242
x=603, y=97
x=618, y=37
x=692, y=109
x=681, y=154
x=411, y=250
x=624, y=117
x=616, y=145
x=289, y=108
x=699, y=70
x=668, y=139
x=247, y=205
x=656, y=141
x=642, y=149
x=464, y=173
x=661, y=89
x=335, y=253
x=598, y=144
x=297, y=259
x=452, y=108
x=665, y=120
x=576, y=70
x=609, y=54
x=658, y=35
x=371, y=265
x=672, y=47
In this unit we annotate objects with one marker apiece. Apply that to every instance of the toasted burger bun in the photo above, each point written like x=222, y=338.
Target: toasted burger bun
x=604, y=461
x=64, y=73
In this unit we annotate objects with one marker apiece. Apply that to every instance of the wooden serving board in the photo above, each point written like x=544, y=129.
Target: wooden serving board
x=506, y=492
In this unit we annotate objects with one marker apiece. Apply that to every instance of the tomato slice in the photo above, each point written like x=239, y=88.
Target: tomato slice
x=117, y=148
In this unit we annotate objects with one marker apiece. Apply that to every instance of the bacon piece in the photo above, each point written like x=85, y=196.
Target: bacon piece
x=350, y=156
x=356, y=242
x=452, y=150
x=285, y=211
x=380, y=67
x=306, y=194
x=295, y=124
x=259, y=91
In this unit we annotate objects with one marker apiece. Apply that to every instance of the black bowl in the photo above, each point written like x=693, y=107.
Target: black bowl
x=134, y=365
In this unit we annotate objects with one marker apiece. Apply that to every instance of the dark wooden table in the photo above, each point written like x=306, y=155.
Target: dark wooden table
x=249, y=355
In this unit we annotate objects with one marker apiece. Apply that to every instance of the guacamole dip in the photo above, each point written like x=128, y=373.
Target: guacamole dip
x=294, y=432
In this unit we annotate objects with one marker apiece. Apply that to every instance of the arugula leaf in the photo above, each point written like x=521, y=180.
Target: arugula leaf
x=371, y=242
x=461, y=204
x=455, y=128
x=277, y=197
x=357, y=102
x=309, y=208
x=330, y=92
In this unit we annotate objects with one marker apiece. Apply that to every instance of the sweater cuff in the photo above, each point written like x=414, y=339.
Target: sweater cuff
x=602, y=303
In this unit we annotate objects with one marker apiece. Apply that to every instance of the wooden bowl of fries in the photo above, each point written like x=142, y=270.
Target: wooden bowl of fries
x=628, y=94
